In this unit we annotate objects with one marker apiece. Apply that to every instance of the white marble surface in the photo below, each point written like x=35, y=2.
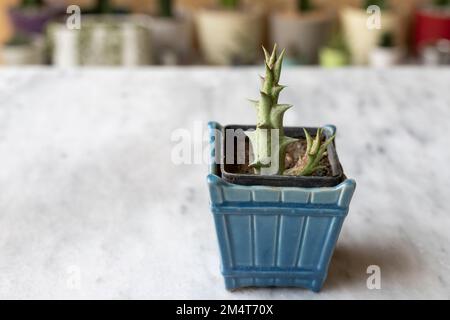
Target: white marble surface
x=88, y=191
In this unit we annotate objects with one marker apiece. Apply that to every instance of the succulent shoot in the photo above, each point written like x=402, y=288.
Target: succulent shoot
x=310, y=162
x=304, y=5
x=230, y=4
x=268, y=140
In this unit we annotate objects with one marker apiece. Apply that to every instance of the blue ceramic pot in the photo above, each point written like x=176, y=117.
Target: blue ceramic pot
x=276, y=236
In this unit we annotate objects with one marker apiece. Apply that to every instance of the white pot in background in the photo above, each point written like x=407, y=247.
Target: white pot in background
x=102, y=40
x=360, y=39
x=385, y=57
x=24, y=54
x=227, y=37
x=301, y=34
x=172, y=39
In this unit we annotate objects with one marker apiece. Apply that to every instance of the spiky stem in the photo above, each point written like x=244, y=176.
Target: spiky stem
x=310, y=162
x=268, y=140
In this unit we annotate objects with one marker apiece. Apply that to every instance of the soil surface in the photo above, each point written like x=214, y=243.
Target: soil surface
x=293, y=152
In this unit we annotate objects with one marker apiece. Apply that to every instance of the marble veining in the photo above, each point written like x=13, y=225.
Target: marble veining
x=91, y=205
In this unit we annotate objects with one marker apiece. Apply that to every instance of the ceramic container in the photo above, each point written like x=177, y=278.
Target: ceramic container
x=229, y=37
x=385, y=57
x=102, y=40
x=275, y=236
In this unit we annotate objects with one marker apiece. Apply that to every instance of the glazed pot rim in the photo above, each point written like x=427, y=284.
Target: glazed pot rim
x=281, y=180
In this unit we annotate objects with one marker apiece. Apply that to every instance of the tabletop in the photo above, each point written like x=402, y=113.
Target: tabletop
x=94, y=204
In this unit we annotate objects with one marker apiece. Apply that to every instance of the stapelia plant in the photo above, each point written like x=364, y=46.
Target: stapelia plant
x=165, y=8
x=269, y=147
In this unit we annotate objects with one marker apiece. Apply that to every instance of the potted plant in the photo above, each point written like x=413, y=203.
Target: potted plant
x=22, y=49
x=432, y=24
x=32, y=16
x=229, y=34
x=105, y=38
x=360, y=38
x=302, y=31
x=171, y=35
x=386, y=54
x=278, y=195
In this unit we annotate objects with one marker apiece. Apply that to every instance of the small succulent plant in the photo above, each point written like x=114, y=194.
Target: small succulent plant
x=31, y=3
x=229, y=4
x=304, y=5
x=387, y=40
x=269, y=154
x=380, y=3
x=310, y=161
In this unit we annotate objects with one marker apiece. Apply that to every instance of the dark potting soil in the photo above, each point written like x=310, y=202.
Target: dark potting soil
x=293, y=152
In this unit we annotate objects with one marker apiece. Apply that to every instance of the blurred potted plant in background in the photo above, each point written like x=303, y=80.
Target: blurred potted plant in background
x=230, y=33
x=432, y=24
x=279, y=198
x=302, y=31
x=363, y=38
x=32, y=16
x=387, y=53
x=171, y=35
x=335, y=53
x=23, y=49
x=106, y=37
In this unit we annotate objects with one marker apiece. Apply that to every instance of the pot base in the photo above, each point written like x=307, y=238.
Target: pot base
x=275, y=278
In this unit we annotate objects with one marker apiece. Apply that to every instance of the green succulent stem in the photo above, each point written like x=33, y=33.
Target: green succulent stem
x=315, y=150
x=268, y=140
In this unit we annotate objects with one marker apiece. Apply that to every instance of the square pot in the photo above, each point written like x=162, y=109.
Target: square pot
x=275, y=236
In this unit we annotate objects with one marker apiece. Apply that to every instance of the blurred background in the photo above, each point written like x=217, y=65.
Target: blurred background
x=222, y=32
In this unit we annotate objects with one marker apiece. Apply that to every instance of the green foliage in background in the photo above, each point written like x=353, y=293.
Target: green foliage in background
x=380, y=3
x=165, y=8
x=229, y=4
x=304, y=5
